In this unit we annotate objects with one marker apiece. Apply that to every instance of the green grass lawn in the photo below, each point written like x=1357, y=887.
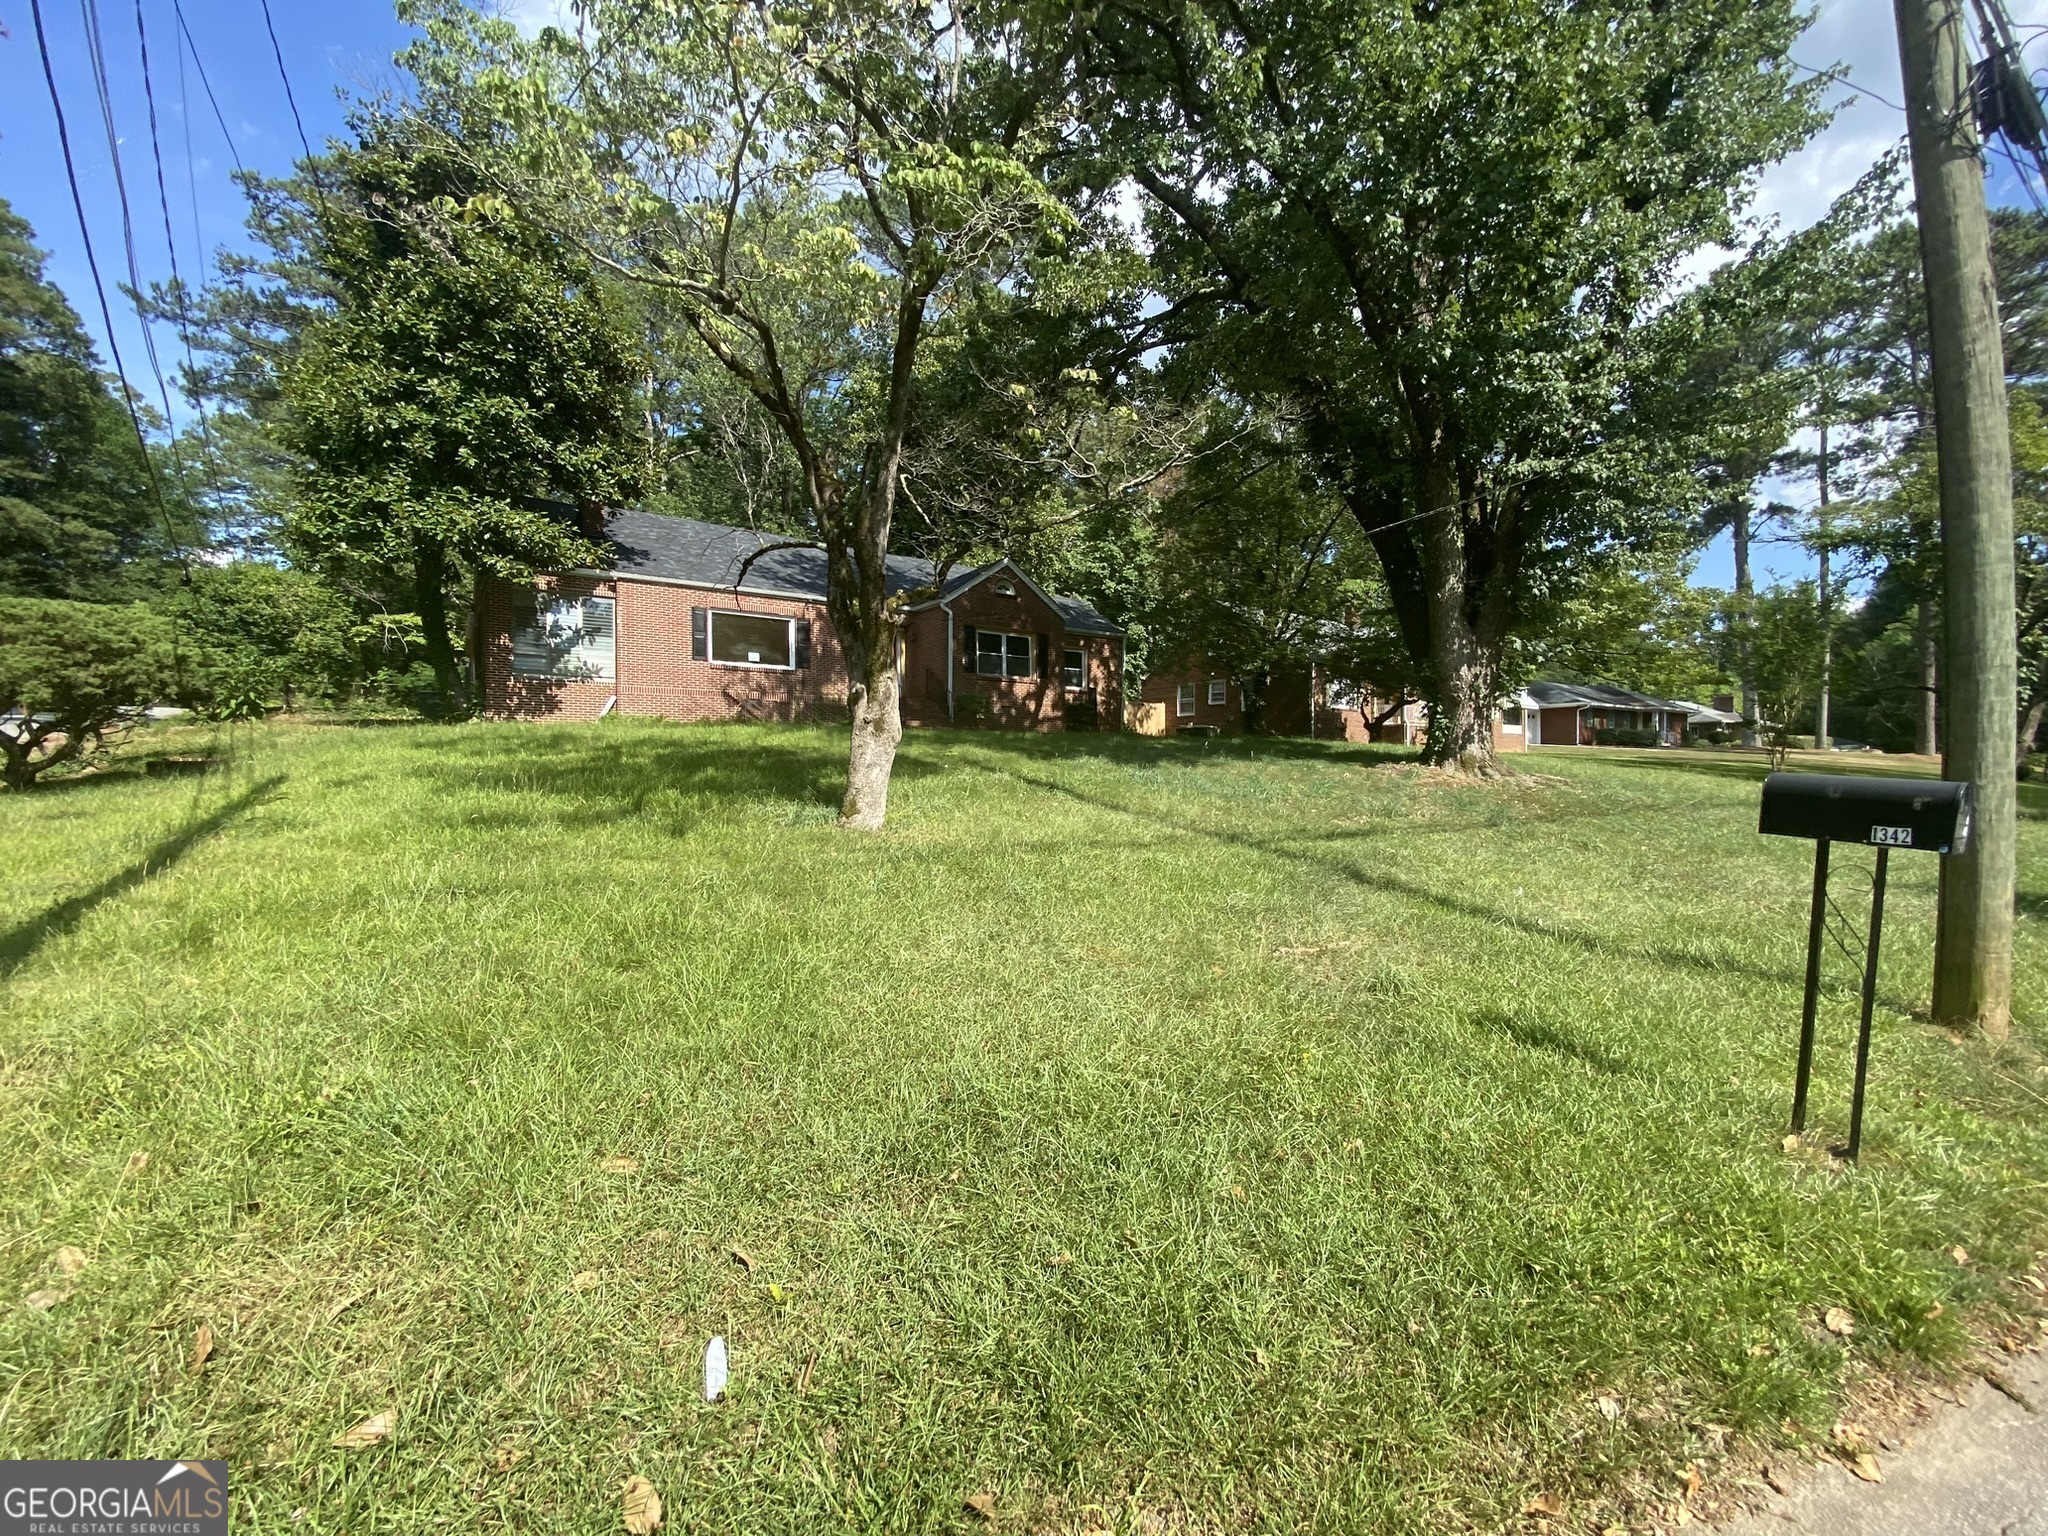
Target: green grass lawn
x=1153, y=1135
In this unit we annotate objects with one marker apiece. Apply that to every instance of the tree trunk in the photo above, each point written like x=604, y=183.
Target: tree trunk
x=1745, y=592
x=1925, y=739
x=1464, y=672
x=430, y=597
x=877, y=732
x=1974, y=934
x=2030, y=731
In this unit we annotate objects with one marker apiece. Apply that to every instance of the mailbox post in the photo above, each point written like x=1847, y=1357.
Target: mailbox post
x=1886, y=814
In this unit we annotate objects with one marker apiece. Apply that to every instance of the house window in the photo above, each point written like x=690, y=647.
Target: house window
x=999, y=655
x=1073, y=667
x=1511, y=719
x=751, y=640
x=1219, y=691
x=565, y=637
x=1184, y=699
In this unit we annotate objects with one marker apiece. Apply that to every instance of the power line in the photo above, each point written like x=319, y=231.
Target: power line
x=97, y=59
x=99, y=287
x=1841, y=77
x=284, y=75
x=163, y=198
x=213, y=101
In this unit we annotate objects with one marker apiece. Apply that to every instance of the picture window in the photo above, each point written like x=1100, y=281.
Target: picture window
x=997, y=654
x=572, y=638
x=752, y=640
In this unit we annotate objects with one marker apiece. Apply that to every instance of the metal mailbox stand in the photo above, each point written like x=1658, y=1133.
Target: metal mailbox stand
x=1884, y=813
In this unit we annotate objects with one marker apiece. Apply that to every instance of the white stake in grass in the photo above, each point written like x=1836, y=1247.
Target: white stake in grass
x=714, y=1369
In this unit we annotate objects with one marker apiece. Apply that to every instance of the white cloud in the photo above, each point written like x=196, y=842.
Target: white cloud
x=531, y=15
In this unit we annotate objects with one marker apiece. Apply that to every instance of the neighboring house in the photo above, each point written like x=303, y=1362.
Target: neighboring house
x=673, y=627
x=1581, y=714
x=1199, y=697
x=1719, y=721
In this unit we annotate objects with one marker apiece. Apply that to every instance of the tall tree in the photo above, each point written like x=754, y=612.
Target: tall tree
x=1439, y=230
x=469, y=379
x=807, y=185
x=78, y=518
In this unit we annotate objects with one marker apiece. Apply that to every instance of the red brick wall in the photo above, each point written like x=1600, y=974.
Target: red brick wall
x=656, y=675
x=1018, y=703
x=1161, y=689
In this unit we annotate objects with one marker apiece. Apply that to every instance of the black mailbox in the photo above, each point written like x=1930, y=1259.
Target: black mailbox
x=1931, y=815
x=1890, y=813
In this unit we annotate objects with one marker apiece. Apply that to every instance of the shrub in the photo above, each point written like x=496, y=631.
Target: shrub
x=1625, y=736
x=72, y=673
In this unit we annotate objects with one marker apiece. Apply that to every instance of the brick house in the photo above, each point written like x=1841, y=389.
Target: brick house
x=673, y=628
x=1579, y=714
x=1199, y=697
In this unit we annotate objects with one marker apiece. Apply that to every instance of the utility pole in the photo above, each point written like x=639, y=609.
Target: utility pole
x=1821, y=739
x=1973, y=944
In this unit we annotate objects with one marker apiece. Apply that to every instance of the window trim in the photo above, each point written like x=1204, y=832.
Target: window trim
x=1006, y=635
x=1081, y=651
x=1183, y=700
x=711, y=657
x=1219, y=685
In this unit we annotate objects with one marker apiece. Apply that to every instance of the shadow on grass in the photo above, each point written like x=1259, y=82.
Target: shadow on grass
x=19, y=943
x=602, y=776
x=1460, y=906
x=1535, y=1035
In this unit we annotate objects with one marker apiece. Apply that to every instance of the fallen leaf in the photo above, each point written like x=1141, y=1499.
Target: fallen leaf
x=1355, y=1144
x=137, y=1161
x=1609, y=1406
x=46, y=1298
x=1551, y=1504
x=620, y=1165
x=1760, y=1351
x=1865, y=1466
x=346, y=1302
x=1237, y=1191
x=1960, y=1254
x=642, y=1506
x=69, y=1260
x=202, y=1348
x=1790, y=1143
x=983, y=1504
x=507, y=1457
x=583, y=1279
x=1259, y=1358
x=1933, y=1312
x=367, y=1433
x=1779, y=1484
x=803, y=1381
x=1840, y=1321
x=1061, y=1260
x=745, y=1260
x=1693, y=1480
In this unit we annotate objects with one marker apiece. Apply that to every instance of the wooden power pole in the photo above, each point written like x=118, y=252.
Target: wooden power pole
x=1973, y=946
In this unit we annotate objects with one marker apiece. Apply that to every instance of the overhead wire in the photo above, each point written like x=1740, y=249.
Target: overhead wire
x=285, y=75
x=213, y=101
x=183, y=316
x=99, y=285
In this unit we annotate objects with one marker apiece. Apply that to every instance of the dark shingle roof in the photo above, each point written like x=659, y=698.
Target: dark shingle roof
x=1598, y=696
x=661, y=548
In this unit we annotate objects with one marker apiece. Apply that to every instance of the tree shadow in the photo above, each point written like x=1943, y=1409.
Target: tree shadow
x=1536, y=1035
x=1126, y=749
x=596, y=776
x=1386, y=883
x=21, y=942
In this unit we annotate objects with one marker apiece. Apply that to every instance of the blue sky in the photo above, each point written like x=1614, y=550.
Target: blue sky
x=334, y=49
